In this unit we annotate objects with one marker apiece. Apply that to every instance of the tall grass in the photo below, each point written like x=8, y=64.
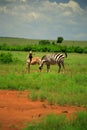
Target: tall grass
x=68, y=88
x=54, y=122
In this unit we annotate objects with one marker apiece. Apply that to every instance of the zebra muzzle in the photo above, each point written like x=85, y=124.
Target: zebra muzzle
x=39, y=68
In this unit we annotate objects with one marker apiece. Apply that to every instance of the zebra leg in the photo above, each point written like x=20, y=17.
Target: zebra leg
x=59, y=64
x=48, y=68
x=62, y=63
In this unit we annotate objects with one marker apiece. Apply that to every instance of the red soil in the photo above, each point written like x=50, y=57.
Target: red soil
x=16, y=109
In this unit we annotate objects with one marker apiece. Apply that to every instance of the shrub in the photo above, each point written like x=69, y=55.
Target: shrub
x=44, y=46
x=85, y=50
x=44, y=42
x=6, y=57
x=71, y=49
x=79, y=49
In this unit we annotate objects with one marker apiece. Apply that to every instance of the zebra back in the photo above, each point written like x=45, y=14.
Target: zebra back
x=53, y=58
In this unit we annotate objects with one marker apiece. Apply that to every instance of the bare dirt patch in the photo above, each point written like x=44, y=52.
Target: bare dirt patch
x=16, y=109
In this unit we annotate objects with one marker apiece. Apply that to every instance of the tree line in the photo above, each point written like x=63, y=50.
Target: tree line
x=44, y=48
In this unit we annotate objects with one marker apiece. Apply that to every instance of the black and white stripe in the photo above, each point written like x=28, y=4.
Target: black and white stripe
x=52, y=59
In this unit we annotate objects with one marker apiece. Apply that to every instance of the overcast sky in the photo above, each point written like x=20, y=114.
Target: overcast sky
x=44, y=19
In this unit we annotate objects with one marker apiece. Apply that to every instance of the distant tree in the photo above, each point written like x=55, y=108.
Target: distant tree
x=44, y=42
x=60, y=39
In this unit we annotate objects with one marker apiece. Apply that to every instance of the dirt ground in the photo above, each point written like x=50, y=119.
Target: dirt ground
x=16, y=109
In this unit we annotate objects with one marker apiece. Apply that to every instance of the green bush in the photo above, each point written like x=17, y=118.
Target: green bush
x=44, y=47
x=6, y=57
x=79, y=49
x=71, y=49
x=44, y=42
x=85, y=50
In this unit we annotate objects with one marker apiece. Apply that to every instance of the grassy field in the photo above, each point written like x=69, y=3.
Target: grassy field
x=75, y=43
x=17, y=41
x=23, y=41
x=68, y=88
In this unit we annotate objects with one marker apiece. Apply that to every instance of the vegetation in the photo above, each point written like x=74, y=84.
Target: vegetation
x=44, y=42
x=45, y=48
x=17, y=41
x=60, y=39
x=54, y=87
x=15, y=44
x=5, y=57
x=54, y=122
x=68, y=88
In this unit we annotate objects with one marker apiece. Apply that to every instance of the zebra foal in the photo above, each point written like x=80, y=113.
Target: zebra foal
x=35, y=60
x=52, y=59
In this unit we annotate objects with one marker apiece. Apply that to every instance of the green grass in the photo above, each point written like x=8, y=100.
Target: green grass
x=74, y=43
x=54, y=122
x=68, y=88
x=17, y=41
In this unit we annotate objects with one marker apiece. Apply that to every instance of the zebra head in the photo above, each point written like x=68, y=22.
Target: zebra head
x=41, y=64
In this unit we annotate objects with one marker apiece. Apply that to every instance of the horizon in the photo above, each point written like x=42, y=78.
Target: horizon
x=42, y=39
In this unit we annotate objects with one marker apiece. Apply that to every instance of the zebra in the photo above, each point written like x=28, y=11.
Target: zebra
x=52, y=59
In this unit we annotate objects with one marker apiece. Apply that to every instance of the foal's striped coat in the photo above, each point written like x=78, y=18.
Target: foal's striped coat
x=52, y=59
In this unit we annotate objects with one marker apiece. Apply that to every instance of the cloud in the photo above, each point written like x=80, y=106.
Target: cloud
x=42, y=18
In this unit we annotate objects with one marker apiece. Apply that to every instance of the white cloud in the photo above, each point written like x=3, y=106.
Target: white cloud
x=30, y=16
x=71, y=5
x=67, y=13
x=45, y=18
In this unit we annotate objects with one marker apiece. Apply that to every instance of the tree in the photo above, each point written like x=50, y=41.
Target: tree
x=60, y=39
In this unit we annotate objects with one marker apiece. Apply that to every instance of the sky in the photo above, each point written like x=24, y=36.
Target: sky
x=44, y=19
